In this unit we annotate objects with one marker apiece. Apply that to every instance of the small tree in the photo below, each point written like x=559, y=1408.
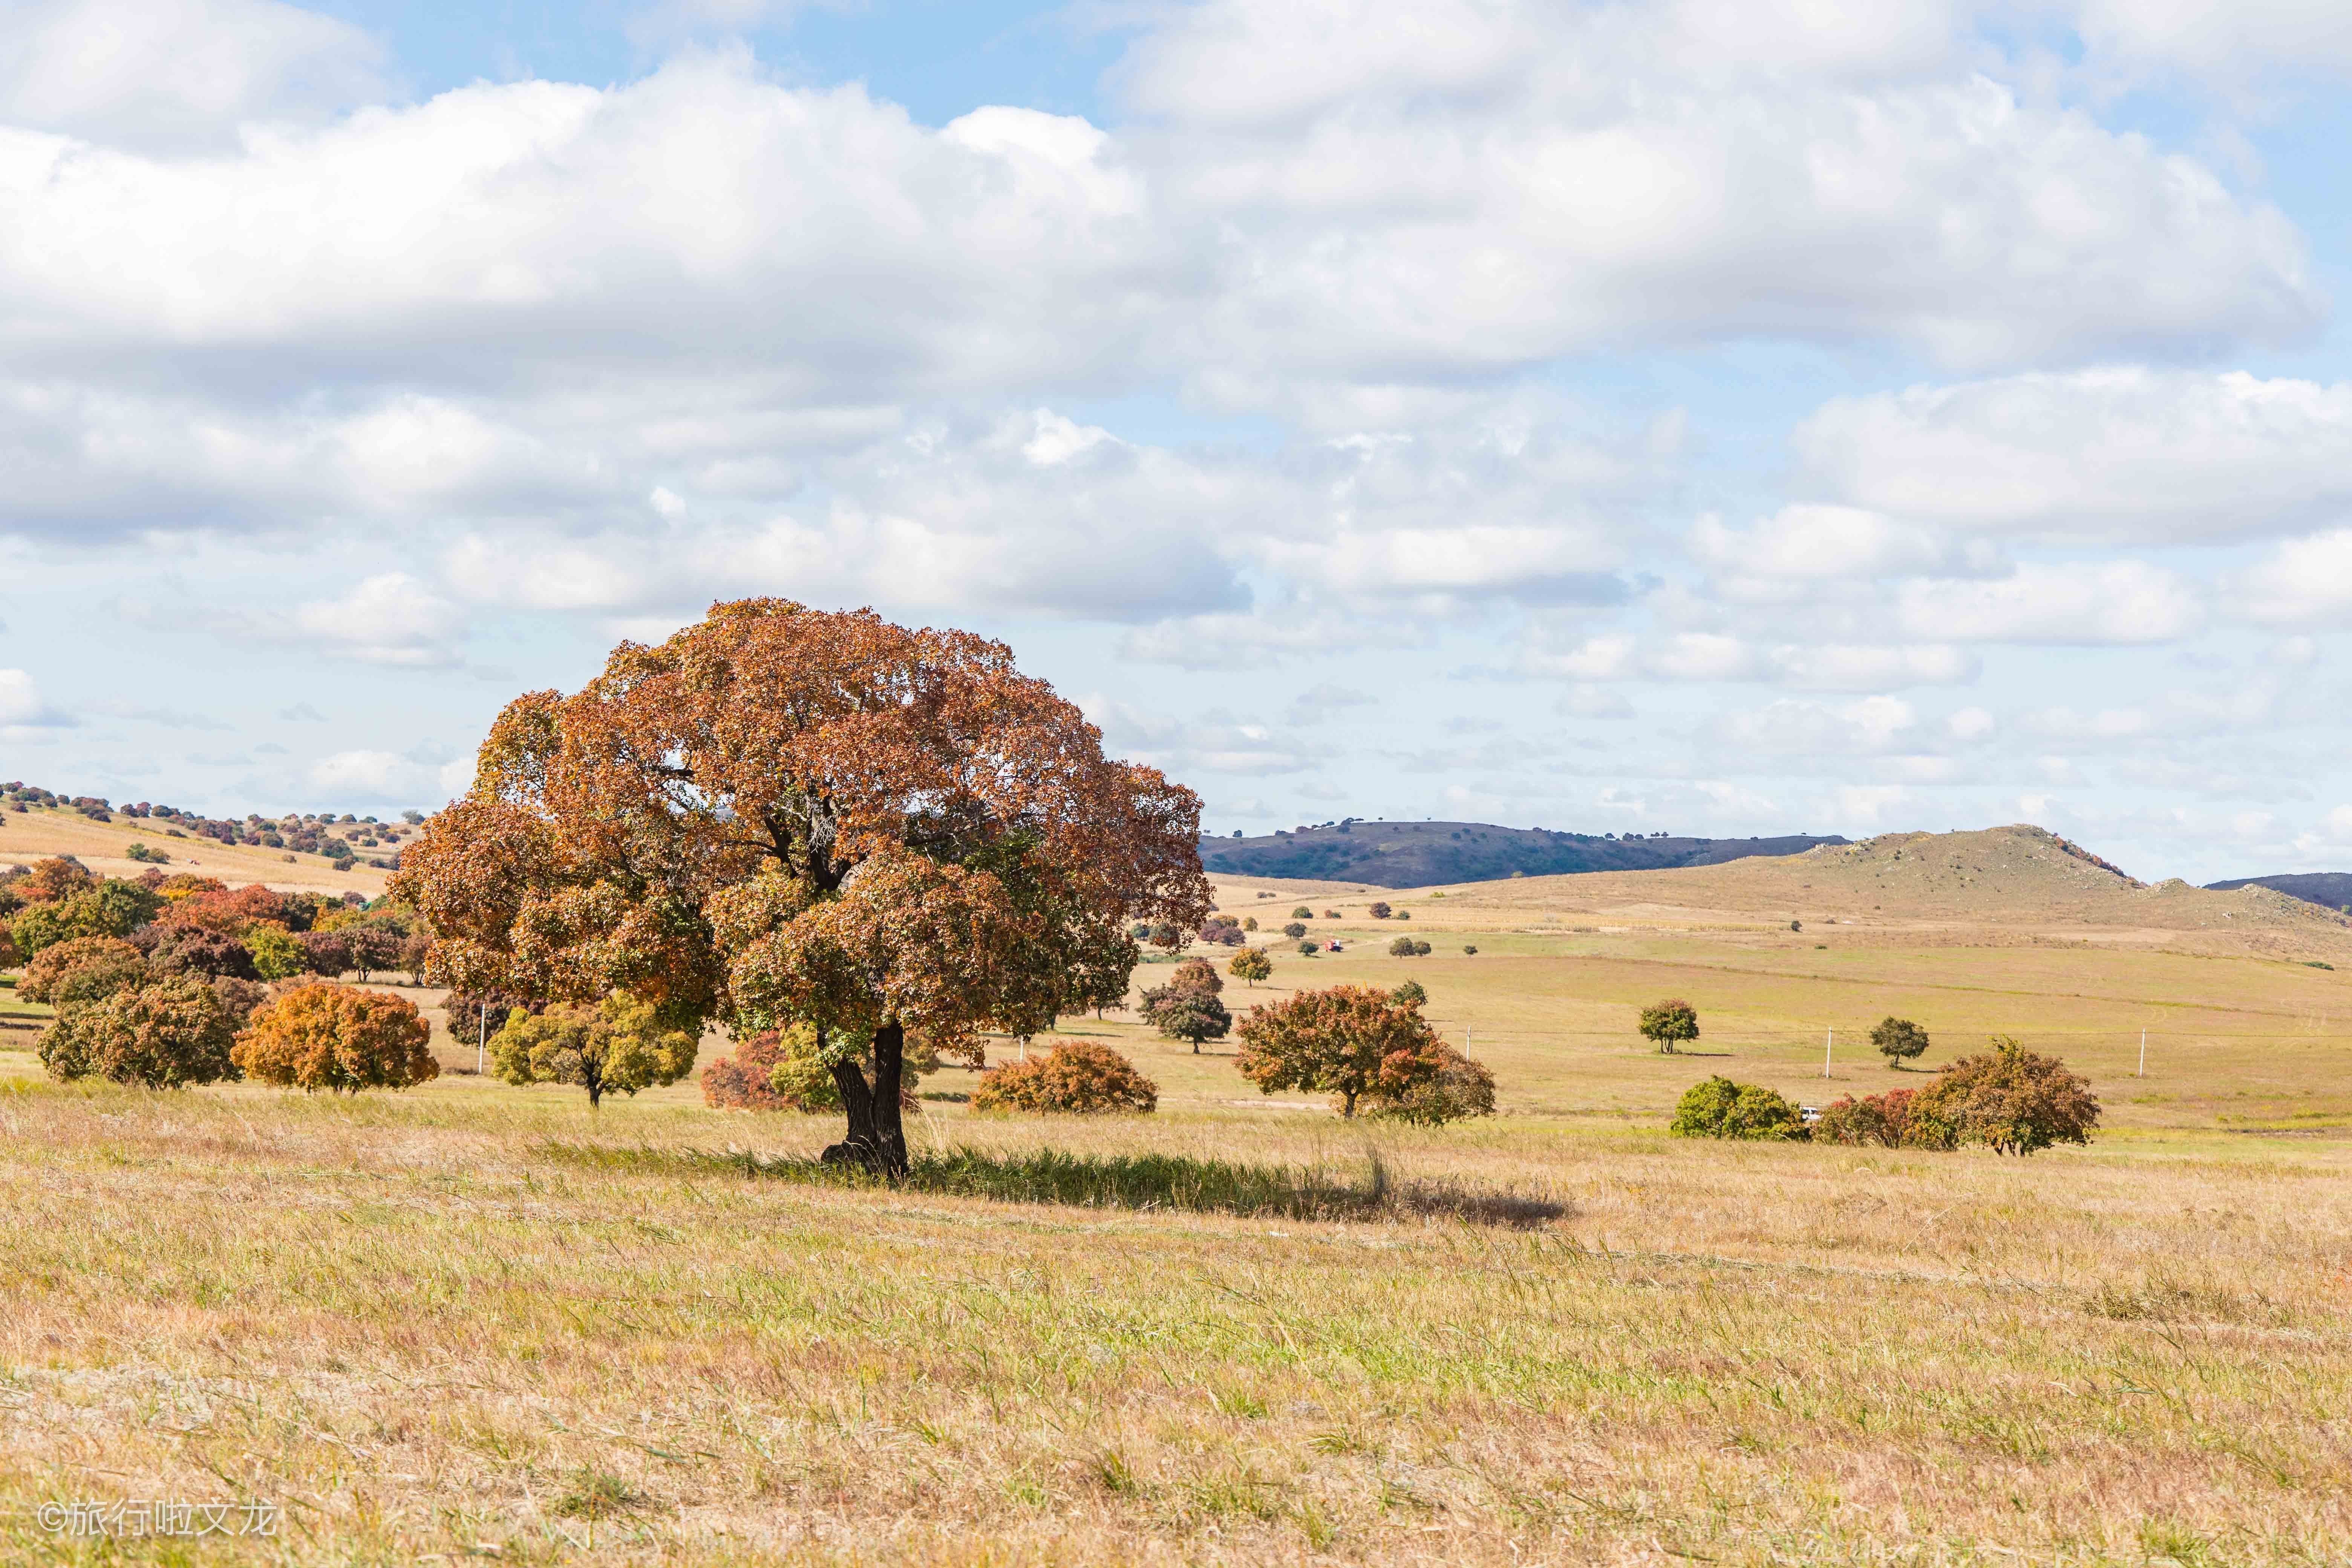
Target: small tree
x=618, y=1044
x=1249, y=922
x=1379, y=911
x=1349, y=1041
x=278, y=953
x=749, y=1079
x=1470, y=951
x=1459, y=1089
x=1294, y=931
x=2012, y=1099
x=373, y=947
x=336, y=1037
x=1899, y=1040
x=81, y=969
x=206, y=952
x=1403, y=947
x=1718, y=1108
x=1302, y=913
x=164, y=1034
x=1409, y=994
x=1309, y=948
x=1077, y=1077
x=327, y=953
x=1183, y=1014
x=1669, y=1022
x=1250, y=964
x=1197, y=974
x=1330, y=914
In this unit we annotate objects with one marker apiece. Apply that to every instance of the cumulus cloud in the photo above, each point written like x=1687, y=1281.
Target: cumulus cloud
x=2123, y=453
x=22, y=709
x=164, y=73
x=1700, y=657
x=2302, y=582
x=2094, y=602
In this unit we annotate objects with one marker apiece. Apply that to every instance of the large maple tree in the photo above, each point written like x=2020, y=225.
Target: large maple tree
x=788, y=815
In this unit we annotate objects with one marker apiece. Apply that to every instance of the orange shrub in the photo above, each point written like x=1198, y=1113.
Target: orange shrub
x=1076, y=1076
x=336, y=1037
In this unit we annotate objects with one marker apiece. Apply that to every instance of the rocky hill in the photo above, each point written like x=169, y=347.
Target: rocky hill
x=1423, y=854
x=2332, y=890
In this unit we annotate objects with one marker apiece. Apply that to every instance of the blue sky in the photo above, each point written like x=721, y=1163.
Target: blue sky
x=1710, y=417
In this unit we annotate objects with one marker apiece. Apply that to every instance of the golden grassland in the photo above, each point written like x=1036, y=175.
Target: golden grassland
x=472, y=1322
x=29, y=836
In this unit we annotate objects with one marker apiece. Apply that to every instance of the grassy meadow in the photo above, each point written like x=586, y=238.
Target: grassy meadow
x=472, y=1322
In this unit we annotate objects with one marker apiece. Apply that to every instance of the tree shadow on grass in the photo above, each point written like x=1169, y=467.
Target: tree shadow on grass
x=1142, y=1183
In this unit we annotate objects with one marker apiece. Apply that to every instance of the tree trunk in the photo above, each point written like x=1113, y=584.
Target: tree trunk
x=889, y=1070
x=856, y=1146
x=1348, y=1104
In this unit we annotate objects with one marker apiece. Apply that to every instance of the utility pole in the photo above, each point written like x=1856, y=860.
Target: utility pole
x=1826, y=1047
x=481, y=1038
x=2143, y=1053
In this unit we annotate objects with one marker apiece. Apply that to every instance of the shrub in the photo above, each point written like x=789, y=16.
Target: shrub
x=1249, y=922
x=1404, y=915
x=1718, y=1108
x=1459, y=1089
x=1077, y=1077
x=58, y=877
x=1403, y=947
x=1899, y=1040
x=1309, y=949
x=336, y=1037
x=1471, y=951
x=1379, y=911
x=278, y=953
x=81, y=969
x=164, y=1034
x=1330, y=914
x=141, y=852
x=1167, y=935
x=1350, y=1041
x=1302, y=913
x=1250, y=964
x=1669, y=1022
x=774, y=1071
x=2013, y=1099
x=184, y=951
x=39, y=926
x=1409, y=994
x=1294, y=931
x=1882, y=1119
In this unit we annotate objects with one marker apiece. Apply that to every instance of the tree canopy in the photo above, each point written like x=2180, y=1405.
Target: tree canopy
x=1349, y=1040
x=1669, y=1022
x=787, y=815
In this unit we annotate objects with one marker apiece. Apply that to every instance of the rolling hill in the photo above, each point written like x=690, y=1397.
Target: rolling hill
x=2332, y=890
x=1423, y=854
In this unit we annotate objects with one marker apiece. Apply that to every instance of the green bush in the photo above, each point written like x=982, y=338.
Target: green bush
x=1718, y=1108
x=165, y=1034
x=1076, y=1078
x=1294, y=931
x=1410, y=993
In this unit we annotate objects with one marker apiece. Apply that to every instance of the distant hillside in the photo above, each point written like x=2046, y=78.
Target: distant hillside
x=1430, y=854
x=2333, y=890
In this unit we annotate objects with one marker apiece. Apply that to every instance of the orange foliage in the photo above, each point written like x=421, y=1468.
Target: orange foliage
x=785, y=815
x=336, y=1037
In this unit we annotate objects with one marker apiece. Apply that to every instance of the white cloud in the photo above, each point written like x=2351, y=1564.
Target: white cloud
x=381, y=778
x=1869, y=727
x=2300, y=583
x=1699, y=657
x=390, y=618
x=1812, y=544
x=22, y=709
x=2109, y=602
x=163, y=72
x=2127, y=453
x=2227, y=42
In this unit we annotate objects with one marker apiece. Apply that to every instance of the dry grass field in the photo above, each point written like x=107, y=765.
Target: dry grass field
x=470, y=1322
x=26, y=836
